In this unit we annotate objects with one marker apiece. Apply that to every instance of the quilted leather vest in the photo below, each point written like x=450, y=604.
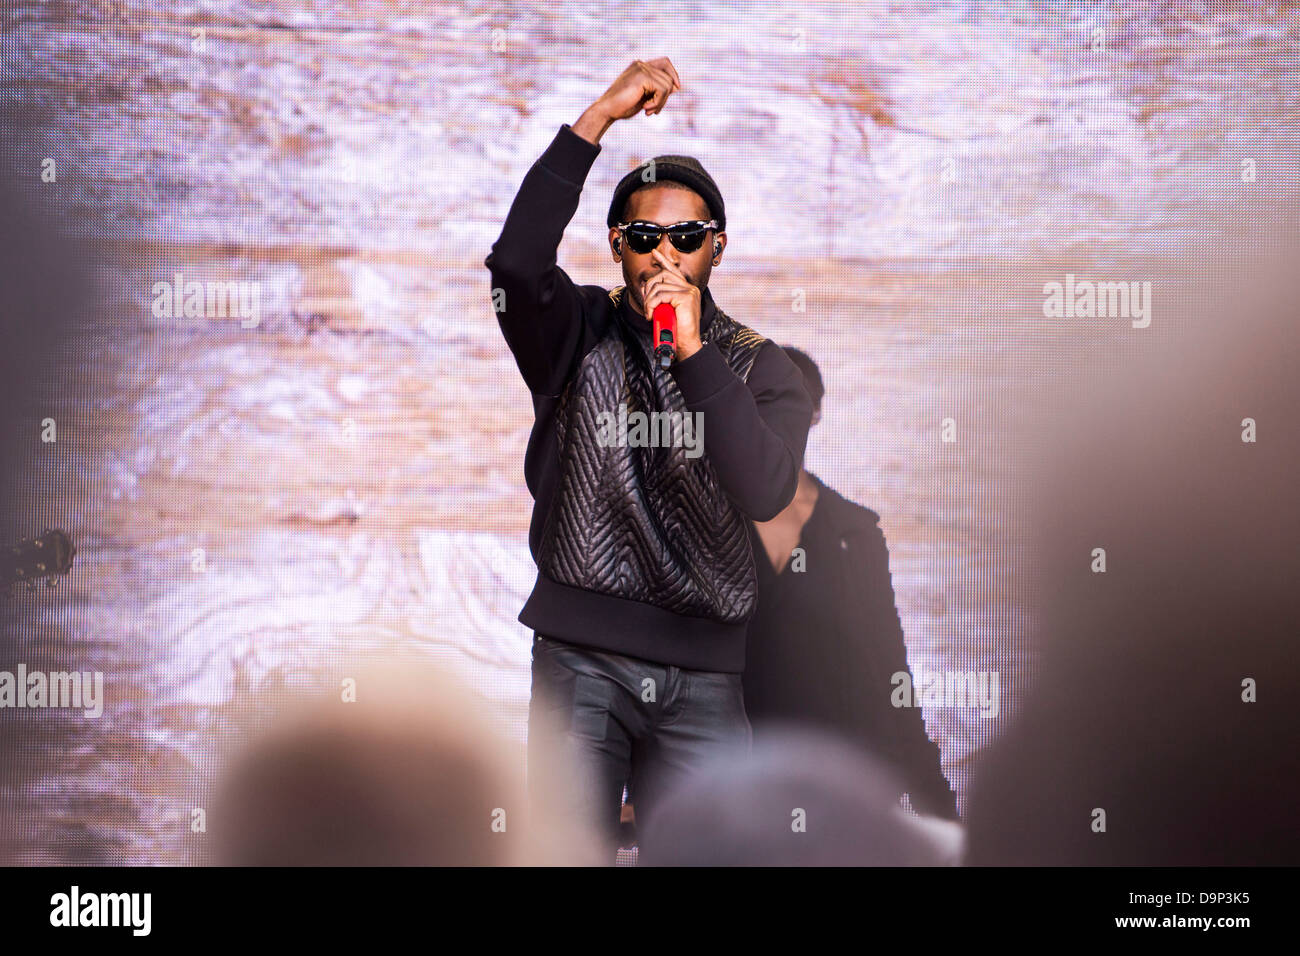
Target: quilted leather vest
x=646, y=524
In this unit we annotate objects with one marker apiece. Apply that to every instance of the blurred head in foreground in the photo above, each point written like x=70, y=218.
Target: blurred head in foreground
x=412, y=773
x=46, y=286
x=798, y=799
x=1162, y=728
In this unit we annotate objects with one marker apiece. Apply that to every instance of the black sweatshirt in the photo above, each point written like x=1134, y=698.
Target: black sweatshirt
x=755, y=439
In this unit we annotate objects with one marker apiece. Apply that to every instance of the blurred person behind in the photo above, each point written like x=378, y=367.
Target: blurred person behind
x=46, y=284
x=1140, y=711
x=411, y=773
x=826, y=638
x=800, y=797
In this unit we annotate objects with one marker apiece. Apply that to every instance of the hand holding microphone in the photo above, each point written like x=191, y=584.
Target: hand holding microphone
x=673, y=304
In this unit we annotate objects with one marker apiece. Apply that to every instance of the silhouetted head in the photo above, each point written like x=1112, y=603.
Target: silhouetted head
x=1161, y=726
x=412, y=772
x=800, y=798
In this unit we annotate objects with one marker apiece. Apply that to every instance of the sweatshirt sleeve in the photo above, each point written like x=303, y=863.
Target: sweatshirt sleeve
x=538, y=307
x=754, y=430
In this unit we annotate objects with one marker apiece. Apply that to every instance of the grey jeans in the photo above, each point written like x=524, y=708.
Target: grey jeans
x=622, y=721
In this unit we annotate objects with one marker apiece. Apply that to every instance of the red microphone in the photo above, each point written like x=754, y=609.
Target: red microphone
x=664, y=333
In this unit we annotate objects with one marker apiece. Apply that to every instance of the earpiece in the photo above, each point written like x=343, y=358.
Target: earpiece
x=617, y=242
x=717, y=248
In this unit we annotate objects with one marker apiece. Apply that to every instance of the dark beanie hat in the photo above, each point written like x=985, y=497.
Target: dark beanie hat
x=682, y=169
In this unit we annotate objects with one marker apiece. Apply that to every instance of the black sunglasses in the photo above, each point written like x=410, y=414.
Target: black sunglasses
x=643, y=237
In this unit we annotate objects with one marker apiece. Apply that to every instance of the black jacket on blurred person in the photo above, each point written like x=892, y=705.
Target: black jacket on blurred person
x=825, y=641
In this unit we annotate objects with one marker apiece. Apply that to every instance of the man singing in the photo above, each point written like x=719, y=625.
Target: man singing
x=646, y=577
